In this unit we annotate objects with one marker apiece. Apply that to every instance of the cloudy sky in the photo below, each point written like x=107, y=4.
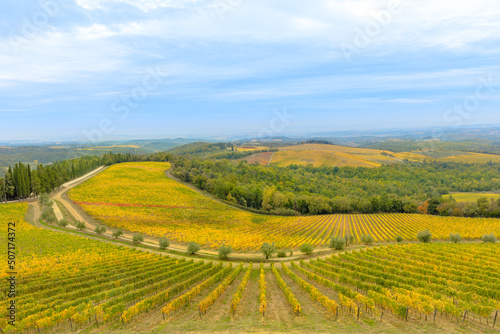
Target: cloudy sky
x=101, y=69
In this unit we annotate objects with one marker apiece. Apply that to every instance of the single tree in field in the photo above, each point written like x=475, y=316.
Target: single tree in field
x=455, y=237
x=424, y=236
x=224, y=252
x=100, y=229
x=306, y=249
x=137, y=238
x=164, y=243
x=268, y=249
x=337, y=243
x=80, y=226
x=63, y=223
x=367, y=239
x=489, y=238
x=399, y=238
x=193, y=248
x=117, y=233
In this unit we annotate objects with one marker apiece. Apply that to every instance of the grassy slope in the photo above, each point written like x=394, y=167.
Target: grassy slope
x=473, y=197
x=321, y=155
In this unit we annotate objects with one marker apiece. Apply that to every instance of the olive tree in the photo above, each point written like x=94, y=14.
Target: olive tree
x=117, y=233
x=100, y=229
x=193, y=248
x=163, y=243
x=424, y=236
x=489, y=238
x=367, y=239
x=268, y=249
x=455, y=237
x=337, y=243
x=224, y=252
x=306, y=249
x=137, y=238
x=63, y=223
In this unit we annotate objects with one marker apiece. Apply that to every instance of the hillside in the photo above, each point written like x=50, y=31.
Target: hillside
x=138, y=197
x=320, y=155
x=323, y=155
x=71, y=283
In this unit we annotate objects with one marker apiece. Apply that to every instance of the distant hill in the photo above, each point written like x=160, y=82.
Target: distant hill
x=329, y=155
x=49, y=153
x=319, y=155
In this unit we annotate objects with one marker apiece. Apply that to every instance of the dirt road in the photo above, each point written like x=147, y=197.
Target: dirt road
x=77, y=214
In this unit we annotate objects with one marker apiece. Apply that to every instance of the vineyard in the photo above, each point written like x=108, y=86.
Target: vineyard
x=138, y=197
x=70, y=283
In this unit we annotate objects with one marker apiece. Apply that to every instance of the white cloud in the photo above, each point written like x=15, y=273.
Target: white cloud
x=144, y=5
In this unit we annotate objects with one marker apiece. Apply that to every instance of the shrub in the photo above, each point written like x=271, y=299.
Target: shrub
x=399, y=238
x=489, y=238
x=424, y=236
x=48, y=215
x=137, y=238
x=281, y=253
x=80, y=226
x=367, y=239
x=193, y=248
x=51, y=220
x=224, y=252
x=455, y=237
x=117, y=233
x=63, y=223
x=306, y=249
x=337, y=243
x=291, y=253
x=164, y=243
x=268, y=249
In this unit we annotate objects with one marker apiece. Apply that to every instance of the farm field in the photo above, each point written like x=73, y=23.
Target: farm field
x=69, y=283
x=250, y=148
x=139, y=197
x=473, y=197
x=322, y=155
x=464, y=157
x=262, y=158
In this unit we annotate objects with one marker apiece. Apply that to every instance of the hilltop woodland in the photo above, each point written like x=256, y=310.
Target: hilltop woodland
x=412, y=187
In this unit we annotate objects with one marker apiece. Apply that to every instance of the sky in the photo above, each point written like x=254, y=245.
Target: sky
x=97, y=70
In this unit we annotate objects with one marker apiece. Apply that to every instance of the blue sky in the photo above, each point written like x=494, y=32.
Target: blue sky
x=102, y=69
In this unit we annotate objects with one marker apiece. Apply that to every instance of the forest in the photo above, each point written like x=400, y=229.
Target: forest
x=410, y=187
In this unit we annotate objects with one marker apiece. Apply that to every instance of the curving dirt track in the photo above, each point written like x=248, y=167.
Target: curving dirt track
x=77, y=214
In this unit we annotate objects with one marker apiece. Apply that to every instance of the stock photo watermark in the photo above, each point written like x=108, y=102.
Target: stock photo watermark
x=126, y=103
x=277, y=124
x=485, y=89
x=33, y=26
x=364, y=36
